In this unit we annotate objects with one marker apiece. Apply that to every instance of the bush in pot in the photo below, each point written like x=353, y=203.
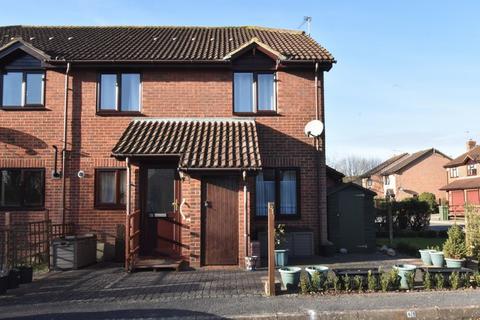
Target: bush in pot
x=454, y=248
x=281, y=253
x=438, y=258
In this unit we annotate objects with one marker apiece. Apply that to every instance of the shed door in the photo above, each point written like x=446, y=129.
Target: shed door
x=473, y=197
x=351, y=220
x=220, y=221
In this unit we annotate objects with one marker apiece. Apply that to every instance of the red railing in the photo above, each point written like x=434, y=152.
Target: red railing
x=132, y=240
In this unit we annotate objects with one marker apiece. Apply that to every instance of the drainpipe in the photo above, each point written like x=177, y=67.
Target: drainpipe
x=245, y=212
x=128, y=262
x=64, y=149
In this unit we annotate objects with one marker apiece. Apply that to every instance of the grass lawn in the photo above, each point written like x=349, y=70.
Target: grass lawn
x=414, y=243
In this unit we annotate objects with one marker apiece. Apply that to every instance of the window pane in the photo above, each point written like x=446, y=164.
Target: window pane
x=34, y=88
x=33, y=188
x=288, y=192
x=161, y=192
x=264, y=191
x=12, y=89
x=243, y=92
x=10, y=188
x=266, y=92
x=108, y=92
x=123, y=186
x=107, y=187
x=130, y=92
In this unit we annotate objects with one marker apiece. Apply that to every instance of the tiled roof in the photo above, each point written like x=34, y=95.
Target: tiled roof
x=405, y=162
x=461, y=184
x=216, y=143
x=378, y=169
x=160, y=44
x=473, y=154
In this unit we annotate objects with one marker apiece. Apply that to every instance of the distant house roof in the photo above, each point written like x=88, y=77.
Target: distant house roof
x=400, y=162
x=461, y=184
x=162, y=44
x=200, y=143
x=473, y=154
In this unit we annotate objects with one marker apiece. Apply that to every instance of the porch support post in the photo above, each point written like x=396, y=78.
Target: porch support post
x=271, y=250
x=245, y=212
x=128, y=213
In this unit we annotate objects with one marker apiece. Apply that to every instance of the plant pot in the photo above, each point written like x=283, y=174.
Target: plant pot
x=290, y=277
x=26, y=274
x=455, y=263
x=438, y=258
x=403, y=271
x=3, y=283
x=425, y=256
x=13, y=279
x=281, y=257
x=251, y=263
x=320, y=269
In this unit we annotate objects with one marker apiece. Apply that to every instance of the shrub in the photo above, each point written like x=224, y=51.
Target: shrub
x=394, y=279
x=455, y=280
x=385, y=281
x=454, y=247
x=336, y=283
x=439, y=281
x=316, y=282
x=372, y=281
x=358, y=283
x=410, y=280
x=410, y=213
x=347, y=282
x=431, y=200
x=304, y=284
x=472, y=231
x=280, y=236
x=427, y=281
x=476, y=279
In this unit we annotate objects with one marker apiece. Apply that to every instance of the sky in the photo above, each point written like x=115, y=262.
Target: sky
x=408, y=71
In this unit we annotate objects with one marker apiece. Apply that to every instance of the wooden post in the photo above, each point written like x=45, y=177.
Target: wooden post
x=271, y=249
x=127, y=220
x=390, y=220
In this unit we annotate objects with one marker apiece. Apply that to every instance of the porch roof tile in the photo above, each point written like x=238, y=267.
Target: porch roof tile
x=200, y=143
x=461, y=184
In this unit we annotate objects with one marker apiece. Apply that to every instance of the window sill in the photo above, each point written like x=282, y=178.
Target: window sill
x=39, y=108
x=258, y=114
x=118, y=113
x=111, y=208
x=3, y=209
x=279, y=217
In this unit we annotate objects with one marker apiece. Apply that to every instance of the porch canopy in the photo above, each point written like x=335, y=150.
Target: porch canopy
x=462, y=184
x=200, y=143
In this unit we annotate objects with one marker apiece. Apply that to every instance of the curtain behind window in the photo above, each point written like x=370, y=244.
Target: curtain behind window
x=243, y=92
x=266, y=98
x=288, y=192
x=12, y=89
x=130, y=92
x=265, y=192
x=107, y=187
x=108, y=91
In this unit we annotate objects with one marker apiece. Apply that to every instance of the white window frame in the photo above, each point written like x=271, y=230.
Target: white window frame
x=23, y=103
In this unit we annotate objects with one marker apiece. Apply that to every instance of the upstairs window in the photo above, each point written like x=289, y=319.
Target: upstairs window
x=471, y=170
x=387, y=180
x=454, y=172
x=119, y=92
x=22, y=189
x=22, y=89
x=254, y=92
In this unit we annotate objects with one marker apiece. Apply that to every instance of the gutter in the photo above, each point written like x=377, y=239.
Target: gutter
x=64, y=149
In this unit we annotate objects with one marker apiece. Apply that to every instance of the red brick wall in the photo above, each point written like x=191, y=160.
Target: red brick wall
x=166, y=93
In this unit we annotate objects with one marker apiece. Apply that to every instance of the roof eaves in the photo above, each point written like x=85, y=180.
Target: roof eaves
x=20, y=44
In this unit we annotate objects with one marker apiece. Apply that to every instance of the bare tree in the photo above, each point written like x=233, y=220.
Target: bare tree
x=353, y=166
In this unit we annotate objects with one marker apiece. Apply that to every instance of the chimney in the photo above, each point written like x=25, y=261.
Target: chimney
x=471, y=144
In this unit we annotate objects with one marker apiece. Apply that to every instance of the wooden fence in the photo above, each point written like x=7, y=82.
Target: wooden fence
x=29, y=243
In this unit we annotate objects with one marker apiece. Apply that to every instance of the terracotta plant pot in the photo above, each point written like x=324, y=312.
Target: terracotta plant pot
x=290, y=277
x=455, y=263
x=438, y=259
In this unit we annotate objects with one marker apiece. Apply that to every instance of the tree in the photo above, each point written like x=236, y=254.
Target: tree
x=352, y=165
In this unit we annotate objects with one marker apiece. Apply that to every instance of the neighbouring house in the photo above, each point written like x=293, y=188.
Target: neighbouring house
x=407, y=175
x=463, y=181
x=169, y=140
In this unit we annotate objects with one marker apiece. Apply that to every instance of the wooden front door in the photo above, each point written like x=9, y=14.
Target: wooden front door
x=160, y=229
x=220, y=221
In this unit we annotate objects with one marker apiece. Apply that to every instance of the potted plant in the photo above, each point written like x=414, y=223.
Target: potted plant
x=322, y=270
x=405, y=271
x=290, y=277
x=3, y=282
x=454, y=248
x=25, y=274
x=438, y=258
x=425, y=256
x=281, y=253
x=250, y=263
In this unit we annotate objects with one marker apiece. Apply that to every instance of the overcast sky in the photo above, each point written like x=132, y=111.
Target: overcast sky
x=408, y=71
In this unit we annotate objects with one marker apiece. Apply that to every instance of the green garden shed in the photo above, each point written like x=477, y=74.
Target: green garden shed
x=351, y=218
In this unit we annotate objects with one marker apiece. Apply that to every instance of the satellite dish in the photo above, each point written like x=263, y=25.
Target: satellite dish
x=314, y=128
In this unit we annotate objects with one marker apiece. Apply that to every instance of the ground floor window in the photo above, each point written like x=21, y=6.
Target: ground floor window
x=22, y=189
x=110, y=188
x=280, y=186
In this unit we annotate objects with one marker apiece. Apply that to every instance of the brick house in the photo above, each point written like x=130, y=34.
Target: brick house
x=183, y=134
x=408, y=175
x=463, y=181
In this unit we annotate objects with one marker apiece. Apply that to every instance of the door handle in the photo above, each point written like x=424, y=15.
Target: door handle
x=207, y=204
x=175, y=205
